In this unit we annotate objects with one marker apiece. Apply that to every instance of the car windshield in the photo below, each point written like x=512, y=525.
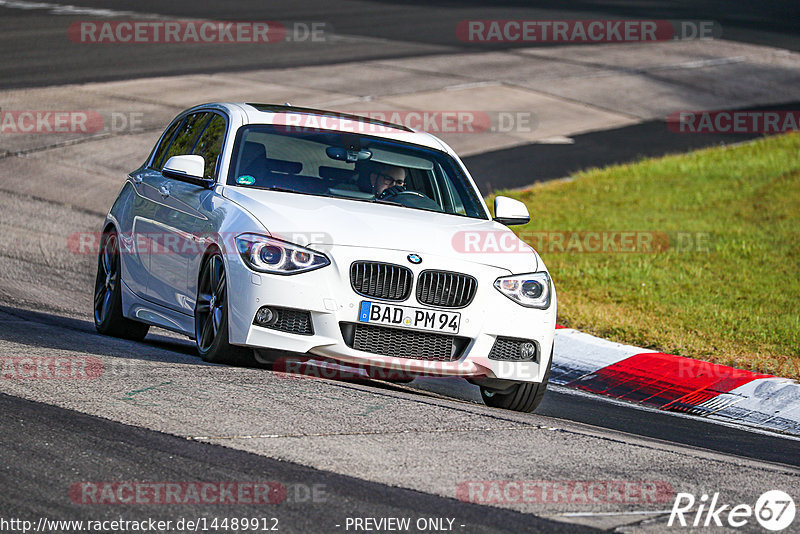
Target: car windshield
x=355, y=167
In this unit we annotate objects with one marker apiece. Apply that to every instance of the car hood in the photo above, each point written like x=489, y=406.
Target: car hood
x=312, y=220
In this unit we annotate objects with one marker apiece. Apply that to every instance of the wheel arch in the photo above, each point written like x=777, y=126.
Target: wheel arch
x=207, y=253
x=109, y=227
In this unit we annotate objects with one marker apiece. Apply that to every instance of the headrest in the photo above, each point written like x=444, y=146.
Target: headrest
x=283, y=166
x=252, y=151
x=335, y=173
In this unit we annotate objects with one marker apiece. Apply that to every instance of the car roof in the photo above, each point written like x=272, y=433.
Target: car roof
x=286, y=114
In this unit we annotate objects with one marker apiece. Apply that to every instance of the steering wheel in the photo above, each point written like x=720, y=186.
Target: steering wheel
x=414, y=199
x=410, y=193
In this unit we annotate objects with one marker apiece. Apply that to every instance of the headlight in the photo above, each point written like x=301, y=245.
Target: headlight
x=268, y=255
x=530, y=290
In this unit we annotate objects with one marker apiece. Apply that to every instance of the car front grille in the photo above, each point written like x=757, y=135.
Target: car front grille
x=385, y=281
x=400, y=343
x=292, y=321
x=446, y=289
x=509, y=349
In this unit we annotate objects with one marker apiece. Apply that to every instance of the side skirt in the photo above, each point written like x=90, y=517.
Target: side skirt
x=139, y=309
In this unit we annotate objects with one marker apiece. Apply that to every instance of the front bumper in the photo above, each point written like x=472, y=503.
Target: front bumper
x=327, y=294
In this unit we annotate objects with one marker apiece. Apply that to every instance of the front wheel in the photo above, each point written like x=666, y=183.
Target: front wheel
x=521, y=397
x=211, y=316
x=108, y=318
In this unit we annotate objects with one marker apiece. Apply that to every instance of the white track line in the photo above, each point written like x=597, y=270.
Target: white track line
x=67, y=9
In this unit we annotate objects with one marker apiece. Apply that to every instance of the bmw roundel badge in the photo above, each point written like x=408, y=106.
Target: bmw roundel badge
x=416, y=259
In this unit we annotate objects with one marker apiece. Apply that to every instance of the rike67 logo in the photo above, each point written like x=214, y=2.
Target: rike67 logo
x=774, y=510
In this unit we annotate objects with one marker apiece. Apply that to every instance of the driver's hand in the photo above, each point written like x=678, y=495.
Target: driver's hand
x=391, y=191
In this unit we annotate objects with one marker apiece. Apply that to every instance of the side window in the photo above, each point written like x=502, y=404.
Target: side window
x=190, y=128
x=165, y=141
x=210, y=144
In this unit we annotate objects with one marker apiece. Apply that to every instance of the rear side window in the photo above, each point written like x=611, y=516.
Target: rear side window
x=184, y=140
x=209, y=144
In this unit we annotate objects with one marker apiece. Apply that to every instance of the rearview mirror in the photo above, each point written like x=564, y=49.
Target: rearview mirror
x=350, y=155
x=187, y=169
x=510, y=212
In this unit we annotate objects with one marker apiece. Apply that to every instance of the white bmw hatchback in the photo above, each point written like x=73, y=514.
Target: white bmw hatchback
x=263, y=230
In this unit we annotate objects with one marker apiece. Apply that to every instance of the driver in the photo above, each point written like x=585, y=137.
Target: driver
x=386, y=180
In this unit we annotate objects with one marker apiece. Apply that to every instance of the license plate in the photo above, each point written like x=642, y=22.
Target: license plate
x=408, y=317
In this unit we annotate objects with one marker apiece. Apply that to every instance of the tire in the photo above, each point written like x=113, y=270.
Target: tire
x=211, y=316
x=108, y=318
x=522, y=397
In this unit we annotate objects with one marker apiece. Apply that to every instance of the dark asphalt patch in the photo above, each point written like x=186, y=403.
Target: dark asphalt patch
x=47, y=450
x=521, y=166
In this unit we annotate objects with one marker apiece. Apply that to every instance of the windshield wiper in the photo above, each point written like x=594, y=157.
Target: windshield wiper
x=287, y=190
x=276, y=188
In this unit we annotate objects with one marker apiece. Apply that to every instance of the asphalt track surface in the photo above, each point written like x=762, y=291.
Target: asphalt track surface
x=559, y=403
x=45, y=303
x=34, y=52
x=113, y=451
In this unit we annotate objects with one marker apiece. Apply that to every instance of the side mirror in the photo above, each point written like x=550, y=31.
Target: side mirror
x=510, y=212
x=187, y=169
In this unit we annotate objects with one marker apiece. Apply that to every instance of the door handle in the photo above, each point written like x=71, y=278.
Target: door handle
x=164, y=189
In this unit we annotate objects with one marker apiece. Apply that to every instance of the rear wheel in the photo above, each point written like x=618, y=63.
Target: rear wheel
x=108, y=318
x=211, y=316
x=521, y=397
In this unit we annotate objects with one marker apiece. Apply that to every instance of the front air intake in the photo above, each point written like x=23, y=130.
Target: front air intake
x=403, y=343
x=509, y=349
x=446, y=289
x=385, y=281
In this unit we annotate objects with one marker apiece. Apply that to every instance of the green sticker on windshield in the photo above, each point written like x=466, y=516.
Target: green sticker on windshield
x=245, y=179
